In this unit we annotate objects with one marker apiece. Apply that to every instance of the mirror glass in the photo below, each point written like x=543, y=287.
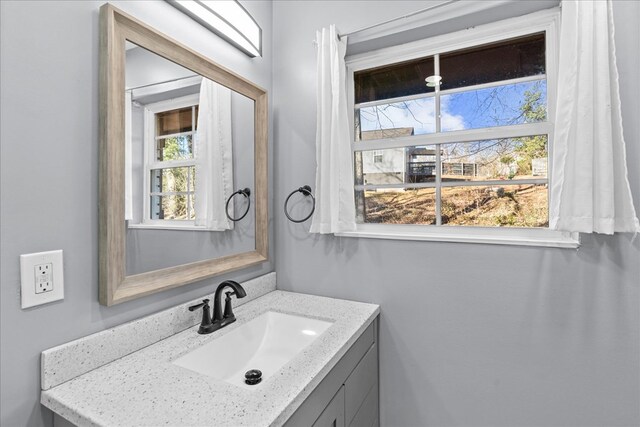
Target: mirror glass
x=189, y=145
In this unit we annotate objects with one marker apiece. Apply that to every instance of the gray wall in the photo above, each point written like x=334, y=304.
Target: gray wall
x=471, y=335
x=49, y=155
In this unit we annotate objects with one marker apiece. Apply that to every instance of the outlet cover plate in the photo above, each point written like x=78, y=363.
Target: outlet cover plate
x=30, y=295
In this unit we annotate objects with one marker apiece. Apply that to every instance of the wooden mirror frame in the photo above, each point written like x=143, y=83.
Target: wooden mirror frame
x=115, y=285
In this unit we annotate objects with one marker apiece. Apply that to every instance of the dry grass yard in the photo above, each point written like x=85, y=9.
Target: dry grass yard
x=506, y=206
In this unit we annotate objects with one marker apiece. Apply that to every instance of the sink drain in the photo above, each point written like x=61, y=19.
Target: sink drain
x=253, y=377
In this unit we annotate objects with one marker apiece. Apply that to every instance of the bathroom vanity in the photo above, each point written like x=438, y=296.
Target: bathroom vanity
x=348, y=395
x=331, y=381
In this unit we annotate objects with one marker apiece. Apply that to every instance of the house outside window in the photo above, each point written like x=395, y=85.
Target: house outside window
x=459, y=128
x=170, y=133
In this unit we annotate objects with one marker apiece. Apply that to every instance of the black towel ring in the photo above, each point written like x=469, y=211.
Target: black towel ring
x=246, y=192
x=306, y=190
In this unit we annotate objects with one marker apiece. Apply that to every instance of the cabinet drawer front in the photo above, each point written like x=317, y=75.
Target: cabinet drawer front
x=368, y=414
x=363, y=378
x=333, y=415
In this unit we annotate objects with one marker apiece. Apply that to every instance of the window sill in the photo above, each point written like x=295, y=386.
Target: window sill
x=186, y=227
x=484, y=235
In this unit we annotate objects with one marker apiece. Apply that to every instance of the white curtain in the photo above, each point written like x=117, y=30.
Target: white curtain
x=590, y=190
x=214, y=158
x=128, y=172
x=335, y=209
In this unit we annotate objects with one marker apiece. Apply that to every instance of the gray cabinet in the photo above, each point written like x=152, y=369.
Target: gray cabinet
x=348, y=395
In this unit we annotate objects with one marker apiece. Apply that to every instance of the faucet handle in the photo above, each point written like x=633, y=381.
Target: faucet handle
x=228, y=310
x=197, y=306
x=225, y=317
x=206, y=325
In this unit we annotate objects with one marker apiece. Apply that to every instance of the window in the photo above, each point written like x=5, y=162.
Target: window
x=454, y=133
x=170, y=161
x=377, y=156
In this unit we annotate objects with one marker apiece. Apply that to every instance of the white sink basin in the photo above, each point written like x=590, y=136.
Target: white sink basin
x=266, y=343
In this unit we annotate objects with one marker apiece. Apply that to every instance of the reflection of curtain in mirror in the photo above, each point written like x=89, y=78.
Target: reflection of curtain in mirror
x=214, y=162
x=128, y=179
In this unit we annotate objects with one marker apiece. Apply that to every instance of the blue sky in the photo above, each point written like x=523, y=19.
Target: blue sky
x=496, y=106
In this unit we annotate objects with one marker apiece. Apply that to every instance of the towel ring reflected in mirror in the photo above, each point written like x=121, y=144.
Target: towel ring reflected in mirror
x=246, y=192
x=306, y=191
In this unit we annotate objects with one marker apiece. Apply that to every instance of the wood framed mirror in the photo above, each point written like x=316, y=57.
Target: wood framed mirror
x=119, y=282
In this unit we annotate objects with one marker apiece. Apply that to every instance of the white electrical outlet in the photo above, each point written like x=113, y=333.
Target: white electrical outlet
x=42, y=278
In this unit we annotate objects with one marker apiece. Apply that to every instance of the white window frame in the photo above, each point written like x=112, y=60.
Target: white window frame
x=150, y=162
x=547, y=21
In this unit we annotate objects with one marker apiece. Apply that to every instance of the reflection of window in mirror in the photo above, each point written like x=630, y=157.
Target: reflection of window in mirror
x=179, y=157
x=178, y=146
x=169, y=160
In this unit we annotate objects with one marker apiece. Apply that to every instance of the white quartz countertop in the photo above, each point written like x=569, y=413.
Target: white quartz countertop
x=145, y=389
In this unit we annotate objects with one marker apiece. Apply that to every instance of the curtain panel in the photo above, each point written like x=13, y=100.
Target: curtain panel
x=214, y=157
x=590, y=190
x=335, y=211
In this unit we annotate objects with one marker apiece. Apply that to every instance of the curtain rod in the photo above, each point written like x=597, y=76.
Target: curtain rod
x=164, y=82
x=417, y=12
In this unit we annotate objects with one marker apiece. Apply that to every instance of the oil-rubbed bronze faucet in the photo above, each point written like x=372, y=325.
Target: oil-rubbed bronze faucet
x=220, y=318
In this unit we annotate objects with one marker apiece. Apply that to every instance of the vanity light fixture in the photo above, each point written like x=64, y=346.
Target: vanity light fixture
x=226, y=18
x=433, y=81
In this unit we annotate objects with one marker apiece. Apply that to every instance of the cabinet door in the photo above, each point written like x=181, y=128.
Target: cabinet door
x=358, y=386
x=333, y=414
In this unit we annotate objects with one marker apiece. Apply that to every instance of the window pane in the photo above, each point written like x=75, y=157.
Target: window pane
x=393, y=81
x=496, y=106
x=412, y=117
x=396, y=165
x=174, y=121
x=521, y=57
x=499, y=206
x=172, y=180
x=174, y=148
x=169, y=207
x=496, y=159
x=485, y=160
x=398, y=206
